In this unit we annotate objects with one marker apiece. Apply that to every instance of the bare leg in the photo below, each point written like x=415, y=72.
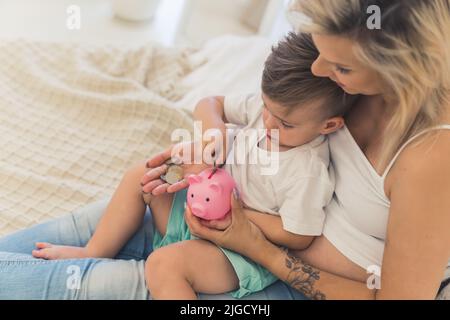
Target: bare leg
x=180, y=270
x=122, y=218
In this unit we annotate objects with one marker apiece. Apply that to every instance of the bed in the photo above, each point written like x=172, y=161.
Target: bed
x=74, y=117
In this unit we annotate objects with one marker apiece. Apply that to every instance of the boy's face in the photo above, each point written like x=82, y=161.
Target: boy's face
x=295, y=128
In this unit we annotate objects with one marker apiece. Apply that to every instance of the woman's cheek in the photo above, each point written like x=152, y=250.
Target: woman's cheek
x=344, y=80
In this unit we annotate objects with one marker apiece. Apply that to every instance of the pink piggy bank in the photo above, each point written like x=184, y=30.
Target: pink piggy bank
x=209, y=195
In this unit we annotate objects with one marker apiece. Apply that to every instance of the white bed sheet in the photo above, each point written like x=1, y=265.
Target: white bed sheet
x=230, y=65
x=73, y=118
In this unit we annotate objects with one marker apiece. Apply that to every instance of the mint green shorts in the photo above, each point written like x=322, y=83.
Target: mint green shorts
x=252, y=276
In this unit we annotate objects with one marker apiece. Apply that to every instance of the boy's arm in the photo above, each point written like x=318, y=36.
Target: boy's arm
x=210, y=111
x=272, y=228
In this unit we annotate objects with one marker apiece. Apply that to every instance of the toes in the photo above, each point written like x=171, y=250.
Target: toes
x=44, y=251
x=40, y=254
x=43, y=245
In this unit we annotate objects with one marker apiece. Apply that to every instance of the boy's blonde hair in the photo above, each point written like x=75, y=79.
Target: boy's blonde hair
x=411, y=54
x=288, y=80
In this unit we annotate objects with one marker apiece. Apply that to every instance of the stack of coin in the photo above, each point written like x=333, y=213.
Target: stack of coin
x=174, y=174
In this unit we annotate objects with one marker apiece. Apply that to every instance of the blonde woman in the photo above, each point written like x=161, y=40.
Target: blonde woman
x=391, y=210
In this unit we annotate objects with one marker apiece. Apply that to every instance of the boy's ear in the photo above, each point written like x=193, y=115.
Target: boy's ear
x=332, y=125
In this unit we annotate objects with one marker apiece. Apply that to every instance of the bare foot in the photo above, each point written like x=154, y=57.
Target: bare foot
x=49, y=251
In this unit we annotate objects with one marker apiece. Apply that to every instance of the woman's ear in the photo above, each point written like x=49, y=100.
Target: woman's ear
x=332, y=125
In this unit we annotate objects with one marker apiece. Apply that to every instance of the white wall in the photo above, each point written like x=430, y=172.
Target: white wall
x=176, y=21
x=275, y=24
x=267, y=18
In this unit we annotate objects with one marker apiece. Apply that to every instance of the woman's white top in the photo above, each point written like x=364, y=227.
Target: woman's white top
x=357, y=216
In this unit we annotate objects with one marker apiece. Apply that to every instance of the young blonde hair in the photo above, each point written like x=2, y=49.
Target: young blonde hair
x=287, y=79
x=410, y=52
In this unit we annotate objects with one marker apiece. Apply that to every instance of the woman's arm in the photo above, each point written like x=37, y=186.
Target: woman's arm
x=272, y=228
x=246, y=238
x=418, y=237
x=311, y=282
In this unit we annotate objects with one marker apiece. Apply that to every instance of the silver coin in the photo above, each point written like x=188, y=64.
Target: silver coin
x=174, y=161
x=173, y=175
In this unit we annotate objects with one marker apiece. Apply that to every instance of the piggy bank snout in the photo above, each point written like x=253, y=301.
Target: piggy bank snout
x=209, y=194
x=198, y=210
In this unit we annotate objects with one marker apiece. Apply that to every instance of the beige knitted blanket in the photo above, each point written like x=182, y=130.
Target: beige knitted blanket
x=74, y=118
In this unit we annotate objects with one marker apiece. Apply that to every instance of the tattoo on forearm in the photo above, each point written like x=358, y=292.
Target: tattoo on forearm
x=302, y=277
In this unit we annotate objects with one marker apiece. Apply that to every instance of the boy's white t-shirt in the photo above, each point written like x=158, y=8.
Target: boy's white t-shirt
x=296, y=185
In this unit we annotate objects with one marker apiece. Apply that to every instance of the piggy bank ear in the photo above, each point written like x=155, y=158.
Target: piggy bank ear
x=216, y=187
x=192, y=179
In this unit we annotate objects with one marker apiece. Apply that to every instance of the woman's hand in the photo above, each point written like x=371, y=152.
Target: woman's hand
x=152, y=183
x=221, y=224
x=241, y=235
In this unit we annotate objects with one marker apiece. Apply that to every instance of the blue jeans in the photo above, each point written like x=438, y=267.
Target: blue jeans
x=24, y=277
